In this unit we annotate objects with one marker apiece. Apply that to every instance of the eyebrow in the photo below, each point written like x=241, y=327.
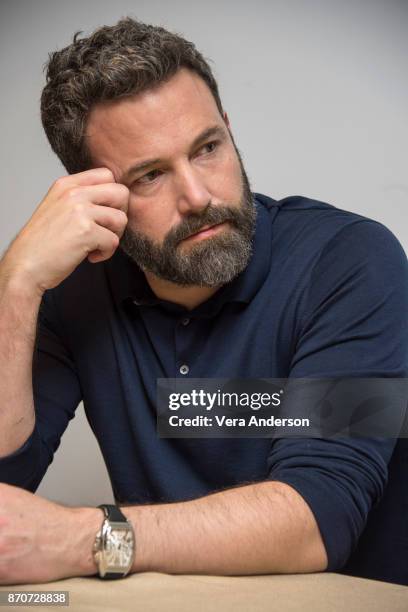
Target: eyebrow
x=210, y=132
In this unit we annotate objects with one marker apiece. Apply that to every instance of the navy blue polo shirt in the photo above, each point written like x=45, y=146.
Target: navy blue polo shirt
x=324, y=295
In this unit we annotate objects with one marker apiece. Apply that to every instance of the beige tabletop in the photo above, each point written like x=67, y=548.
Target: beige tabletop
x=192, y=593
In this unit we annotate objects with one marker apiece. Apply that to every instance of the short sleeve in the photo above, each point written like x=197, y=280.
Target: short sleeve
x=353, y=324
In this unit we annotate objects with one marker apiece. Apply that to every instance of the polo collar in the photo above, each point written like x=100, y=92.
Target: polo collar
x=128, y=282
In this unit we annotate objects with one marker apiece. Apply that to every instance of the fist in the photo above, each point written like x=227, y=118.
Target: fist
x=82, y=216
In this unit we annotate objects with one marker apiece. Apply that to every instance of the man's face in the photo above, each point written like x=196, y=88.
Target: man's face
x=173, y=150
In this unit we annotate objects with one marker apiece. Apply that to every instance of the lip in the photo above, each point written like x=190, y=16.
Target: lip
x=207, y=230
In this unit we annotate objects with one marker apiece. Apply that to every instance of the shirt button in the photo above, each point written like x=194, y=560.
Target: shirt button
x=184, y=369
x=185, y=321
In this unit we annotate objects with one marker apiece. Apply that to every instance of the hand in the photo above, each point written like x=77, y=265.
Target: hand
x=41, y=541
x=82, y=215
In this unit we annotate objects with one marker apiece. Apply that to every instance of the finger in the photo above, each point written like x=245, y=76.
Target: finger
x=111, y=218
x=110, y=194
x=95, y=176
x=104, y=245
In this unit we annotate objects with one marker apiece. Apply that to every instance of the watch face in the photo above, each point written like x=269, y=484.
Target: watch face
x=116, y=550
x=119, y=548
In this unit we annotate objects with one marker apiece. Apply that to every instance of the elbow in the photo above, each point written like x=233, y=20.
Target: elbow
x=314, y=557
x=299, y=547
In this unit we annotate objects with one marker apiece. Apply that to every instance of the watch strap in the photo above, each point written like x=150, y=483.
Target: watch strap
x=113, y=513
x=112, y=576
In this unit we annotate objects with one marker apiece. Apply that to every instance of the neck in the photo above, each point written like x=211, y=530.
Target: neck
x=189, y=297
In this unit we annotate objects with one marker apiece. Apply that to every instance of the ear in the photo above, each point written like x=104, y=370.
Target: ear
x=225, y=117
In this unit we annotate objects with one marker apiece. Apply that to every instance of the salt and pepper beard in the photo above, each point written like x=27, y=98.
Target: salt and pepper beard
x=208, y=262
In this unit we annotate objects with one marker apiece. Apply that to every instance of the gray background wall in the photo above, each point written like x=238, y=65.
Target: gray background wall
x=317, y=93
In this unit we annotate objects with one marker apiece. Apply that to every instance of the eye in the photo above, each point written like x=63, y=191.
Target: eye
x=149, y=177
x=209, y=147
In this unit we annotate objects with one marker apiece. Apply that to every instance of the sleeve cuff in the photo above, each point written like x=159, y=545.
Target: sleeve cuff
x=330, y=511
x=20, y=467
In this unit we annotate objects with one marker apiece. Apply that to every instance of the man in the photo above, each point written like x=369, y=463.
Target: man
x=210, y=281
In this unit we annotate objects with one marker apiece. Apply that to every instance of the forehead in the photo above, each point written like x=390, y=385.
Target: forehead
x=155, y=123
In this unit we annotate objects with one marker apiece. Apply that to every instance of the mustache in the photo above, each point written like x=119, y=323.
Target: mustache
x=194, y=223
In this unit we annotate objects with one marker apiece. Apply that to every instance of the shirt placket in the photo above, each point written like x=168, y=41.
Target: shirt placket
x=182, y=337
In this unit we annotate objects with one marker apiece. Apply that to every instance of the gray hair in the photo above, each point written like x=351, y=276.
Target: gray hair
x=113, y=62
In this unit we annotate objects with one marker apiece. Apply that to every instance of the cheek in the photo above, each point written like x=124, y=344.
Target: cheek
x=230, y=178
x=147, y=216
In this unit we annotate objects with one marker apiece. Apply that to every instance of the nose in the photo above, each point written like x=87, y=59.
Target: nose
x=192, y=194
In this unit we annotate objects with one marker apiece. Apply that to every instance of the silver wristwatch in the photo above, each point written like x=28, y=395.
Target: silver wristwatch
x=114, y=547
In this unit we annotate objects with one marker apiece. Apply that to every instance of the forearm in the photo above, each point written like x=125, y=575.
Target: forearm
x=18, y=318
x=253, y=529
x=261, y=528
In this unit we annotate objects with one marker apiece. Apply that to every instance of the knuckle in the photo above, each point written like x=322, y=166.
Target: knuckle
x=125, y=190
x=108, y=174
x=78, y=208
x=111, y=244
x=85, y=225
x=114, y=241
x=123, y=218
x=72, y=193
x=59, y=182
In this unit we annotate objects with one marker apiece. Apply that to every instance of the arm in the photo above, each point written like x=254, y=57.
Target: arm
x=261, y=528
x=353, y=324
x=56, y=393
x=18, y=317
x=255, y=529
x=68, y=226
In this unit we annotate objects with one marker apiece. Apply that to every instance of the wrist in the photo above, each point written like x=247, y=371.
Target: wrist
x=145, y=521
x=19, y=282
x=86, y=522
